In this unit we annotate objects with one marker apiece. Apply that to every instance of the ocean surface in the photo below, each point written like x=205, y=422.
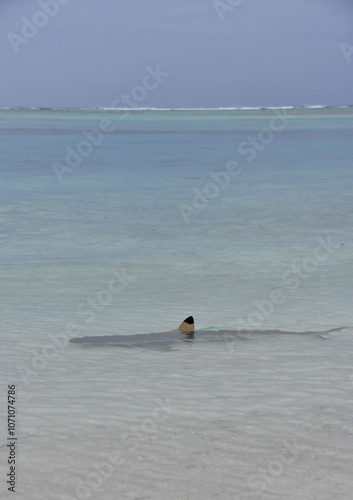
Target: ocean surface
x=125, y=222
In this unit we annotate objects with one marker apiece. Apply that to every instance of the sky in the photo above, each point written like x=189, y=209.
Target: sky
x=175, y=53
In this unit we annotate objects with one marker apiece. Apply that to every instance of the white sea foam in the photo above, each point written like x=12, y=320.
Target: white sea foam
x=135, y=109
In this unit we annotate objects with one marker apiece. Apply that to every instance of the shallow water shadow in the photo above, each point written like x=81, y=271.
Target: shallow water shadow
x=166, y=341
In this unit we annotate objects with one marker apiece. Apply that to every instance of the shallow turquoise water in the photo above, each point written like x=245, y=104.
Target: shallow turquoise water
x=108, y=251
x=123, y=205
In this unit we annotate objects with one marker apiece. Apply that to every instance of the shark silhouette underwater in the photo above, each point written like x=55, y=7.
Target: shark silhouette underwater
x=163, y=340
x=184, y=333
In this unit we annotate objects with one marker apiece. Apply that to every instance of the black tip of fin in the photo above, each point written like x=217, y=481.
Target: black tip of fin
x=187, y=325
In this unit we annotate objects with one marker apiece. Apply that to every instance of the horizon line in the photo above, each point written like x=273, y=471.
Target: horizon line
x=230, y=108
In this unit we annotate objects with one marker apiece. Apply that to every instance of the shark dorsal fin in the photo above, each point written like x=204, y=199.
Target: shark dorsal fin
x=187, y=326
